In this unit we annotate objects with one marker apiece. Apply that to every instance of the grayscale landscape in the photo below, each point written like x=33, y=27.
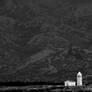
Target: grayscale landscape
x=45, y=40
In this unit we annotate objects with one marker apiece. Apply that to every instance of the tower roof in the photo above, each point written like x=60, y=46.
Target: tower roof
x=79, y=74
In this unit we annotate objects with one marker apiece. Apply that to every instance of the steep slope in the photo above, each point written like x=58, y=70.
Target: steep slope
x=38, y=40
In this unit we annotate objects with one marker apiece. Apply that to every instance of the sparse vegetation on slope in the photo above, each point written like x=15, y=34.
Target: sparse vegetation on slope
x=38, y=39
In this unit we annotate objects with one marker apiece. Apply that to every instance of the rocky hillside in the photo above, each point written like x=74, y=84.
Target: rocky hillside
x=44, y=40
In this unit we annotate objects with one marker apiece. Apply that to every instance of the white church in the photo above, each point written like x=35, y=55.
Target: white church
x=73, y=83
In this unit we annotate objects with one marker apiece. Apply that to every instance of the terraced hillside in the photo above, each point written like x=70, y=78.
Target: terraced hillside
x=44, y=40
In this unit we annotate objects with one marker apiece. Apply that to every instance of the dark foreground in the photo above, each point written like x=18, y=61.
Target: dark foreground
x=45, y=88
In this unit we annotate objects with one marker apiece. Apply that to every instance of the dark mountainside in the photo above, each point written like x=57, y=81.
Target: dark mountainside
x=45, y=40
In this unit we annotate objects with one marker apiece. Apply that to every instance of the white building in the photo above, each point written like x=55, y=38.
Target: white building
x=79, y=79
x=70, y=83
